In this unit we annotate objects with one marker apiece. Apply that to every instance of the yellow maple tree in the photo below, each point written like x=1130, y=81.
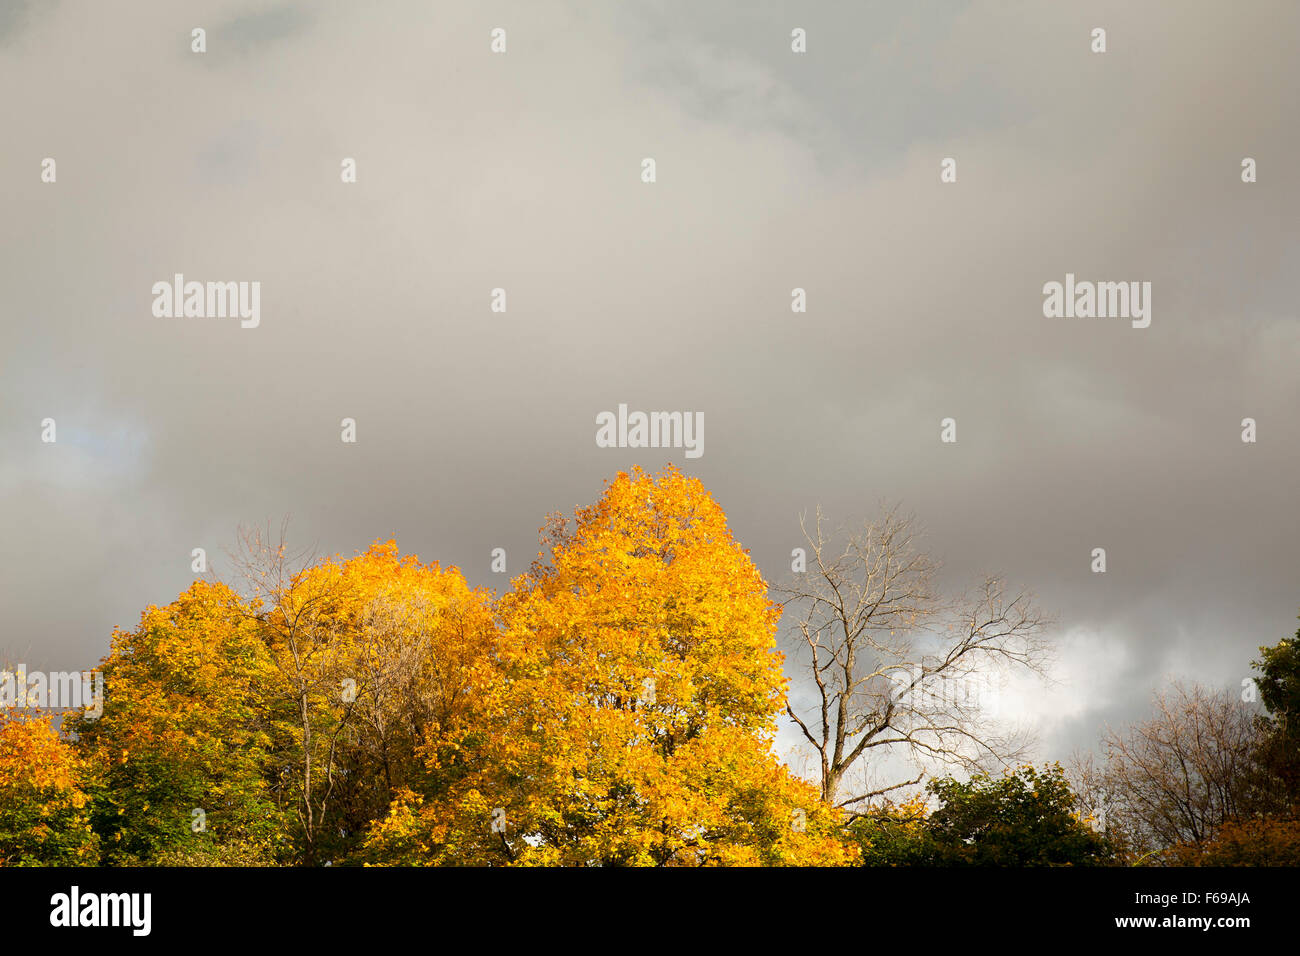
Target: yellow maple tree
x=627, y=713
x=44, y=817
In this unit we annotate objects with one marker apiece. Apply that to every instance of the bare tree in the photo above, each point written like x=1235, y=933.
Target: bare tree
x=892, y=664
x=1094, y=801
x=294, y=615
x=1176, y=777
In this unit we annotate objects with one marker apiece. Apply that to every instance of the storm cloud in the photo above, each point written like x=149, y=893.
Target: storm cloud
x=775, y=171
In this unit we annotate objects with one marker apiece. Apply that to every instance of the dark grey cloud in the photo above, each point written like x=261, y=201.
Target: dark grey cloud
x=14, y=15
x=257, y=32
x=775, y=171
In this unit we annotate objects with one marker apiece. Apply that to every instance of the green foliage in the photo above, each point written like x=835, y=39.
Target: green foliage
x=1274, y=786
x=895, y=835
x=1279, y=681
x=182, y=729
x=43, y=808
x=1023, y=818
x=211, y=854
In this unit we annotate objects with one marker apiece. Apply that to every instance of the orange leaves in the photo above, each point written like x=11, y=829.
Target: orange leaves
x=616, y=707
x=628, y=716
x=33, y=755
x=43, y=811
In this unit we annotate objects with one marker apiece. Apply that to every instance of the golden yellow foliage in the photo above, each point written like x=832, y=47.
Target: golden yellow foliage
x=627, y=713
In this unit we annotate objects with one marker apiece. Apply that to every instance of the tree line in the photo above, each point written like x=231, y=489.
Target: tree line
x=618, y=705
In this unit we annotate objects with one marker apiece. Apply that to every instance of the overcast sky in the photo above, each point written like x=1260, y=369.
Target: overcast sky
x=775, y=170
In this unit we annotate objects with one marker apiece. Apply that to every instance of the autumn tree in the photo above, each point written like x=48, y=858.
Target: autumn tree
x=293, y=607
x=1263, y=841
x=413, y=639
x=182, y=750
x=895, y=833
x=44, y=811
x=370, y=657
x=1022, y=817
x=630, y=707
x=889, y=667
x=1275, y=775
x=1179, y=775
